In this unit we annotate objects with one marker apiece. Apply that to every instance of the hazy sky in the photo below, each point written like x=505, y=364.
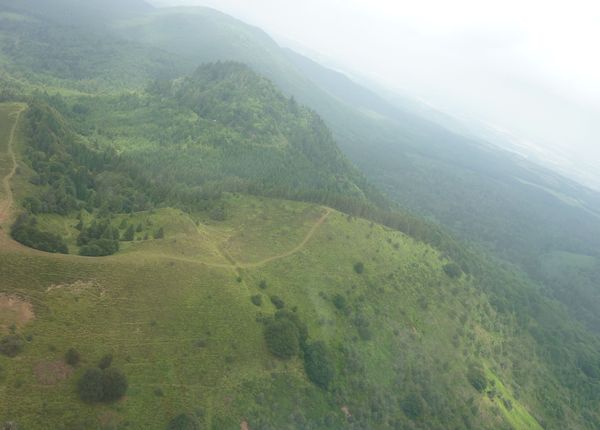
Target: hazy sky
x=531, y=67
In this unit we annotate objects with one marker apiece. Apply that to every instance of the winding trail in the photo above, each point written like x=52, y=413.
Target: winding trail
x=289, y=253
x=6, y=204
x=234, y=265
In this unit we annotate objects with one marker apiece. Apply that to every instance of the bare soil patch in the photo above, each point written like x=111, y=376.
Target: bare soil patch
x=346, y=411
x=80, y=286
x=52, y=372
x=244, y=425
x=14, y=310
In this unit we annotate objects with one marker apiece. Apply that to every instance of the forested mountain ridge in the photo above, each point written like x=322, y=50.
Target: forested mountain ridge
x=224, y=303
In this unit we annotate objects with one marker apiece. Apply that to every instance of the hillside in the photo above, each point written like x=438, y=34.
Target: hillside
x=421, y=165
x=182, y=316
x=183, y=243
x=196, y=302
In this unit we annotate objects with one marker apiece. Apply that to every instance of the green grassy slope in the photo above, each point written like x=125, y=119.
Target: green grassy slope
x=177, y=312
x=179, y=322
x=177, y=315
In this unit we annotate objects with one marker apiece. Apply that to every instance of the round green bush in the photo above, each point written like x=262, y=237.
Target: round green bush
x=96, y=385
x=114, y=384
x=90, y=386
x=359, y=267
x=105, y=361
x=72, y=357
x=282, y=338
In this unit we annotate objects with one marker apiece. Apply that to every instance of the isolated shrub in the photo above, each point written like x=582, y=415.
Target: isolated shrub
x=72, y=357
x=114, y=384
x=90, y=386
x=340, y=303
x=11, y=345
x=359, y=267
x=96, y=385
x=318, y=364
x=105, y=361
x=160, y=234
x=453, y=270
x=256, y=300
x=129, y=234
x=476, y=377
x=262, y=285
x=282, y=338
x=277, y=302
x=183, y=422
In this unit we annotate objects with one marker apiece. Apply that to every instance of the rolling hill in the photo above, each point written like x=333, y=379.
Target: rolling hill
x=199, y=231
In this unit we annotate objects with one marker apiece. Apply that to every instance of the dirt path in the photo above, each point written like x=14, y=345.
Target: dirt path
x=6, y=204
x=233, y=264
x=293, y=251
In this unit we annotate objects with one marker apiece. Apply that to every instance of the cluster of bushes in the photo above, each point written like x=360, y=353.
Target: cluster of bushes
x=102, y=383
x=287, y=336
x=99, y=239
x=26, y=231
x=75, y=175
x=318, y=364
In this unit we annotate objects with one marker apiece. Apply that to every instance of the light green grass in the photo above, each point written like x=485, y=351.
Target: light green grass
x=517, y=415
x=150, y=306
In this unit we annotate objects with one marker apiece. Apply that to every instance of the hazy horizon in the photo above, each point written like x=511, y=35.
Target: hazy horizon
x=525, y=68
